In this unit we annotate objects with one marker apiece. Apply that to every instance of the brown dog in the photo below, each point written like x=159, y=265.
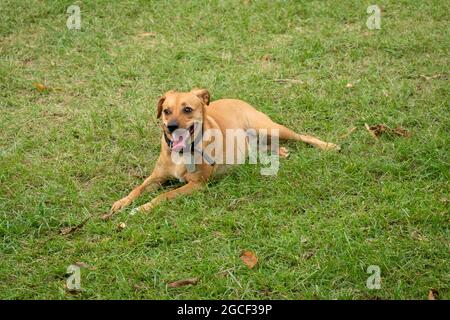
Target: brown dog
x=182, y=110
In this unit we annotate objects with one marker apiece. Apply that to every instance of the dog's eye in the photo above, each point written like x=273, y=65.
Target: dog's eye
x=187, y=109
x=167, y=112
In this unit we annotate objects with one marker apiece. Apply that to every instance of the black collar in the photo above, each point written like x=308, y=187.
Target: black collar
x=193, y=150
x=170, y=142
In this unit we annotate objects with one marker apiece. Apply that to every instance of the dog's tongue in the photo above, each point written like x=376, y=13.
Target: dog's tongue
x=178, y=145
x=180, y=138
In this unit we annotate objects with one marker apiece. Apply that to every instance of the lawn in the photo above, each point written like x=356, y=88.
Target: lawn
x=79, y=131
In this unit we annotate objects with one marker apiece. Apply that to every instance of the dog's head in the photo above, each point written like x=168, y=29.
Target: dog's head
x=182, y=115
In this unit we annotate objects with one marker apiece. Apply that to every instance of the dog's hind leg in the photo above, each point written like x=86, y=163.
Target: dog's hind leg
x=283, y=152
x=264, y=122
x=288, y=134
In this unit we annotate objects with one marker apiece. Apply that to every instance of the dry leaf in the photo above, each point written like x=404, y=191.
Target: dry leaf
x=296, y=81
x=81, y=264
x=68, y=230
x=267, y=57
x=41, y=87
x=416, y=235
x=249, y=258
x=107, y=216
x=379, y=129
x=308, y=255
x=401, y=132
x=218, y=234
x=184, y=282
x=148, y=34
x=433, y=294
x=427, y=78
x=84, y=265
x=140, y=287
x=372, y=133
x=121, y=226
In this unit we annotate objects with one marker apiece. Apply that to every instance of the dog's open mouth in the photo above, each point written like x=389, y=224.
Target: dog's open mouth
x=181, y=138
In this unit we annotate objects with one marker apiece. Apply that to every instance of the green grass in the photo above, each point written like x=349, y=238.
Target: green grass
x=70, y=153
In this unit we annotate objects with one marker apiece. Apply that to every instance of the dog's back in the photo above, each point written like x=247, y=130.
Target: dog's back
x=235, y=114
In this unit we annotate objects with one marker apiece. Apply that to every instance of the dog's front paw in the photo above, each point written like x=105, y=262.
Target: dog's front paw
x=332, y=146
x=283, y=152
x=145, y=208
x=120, y=204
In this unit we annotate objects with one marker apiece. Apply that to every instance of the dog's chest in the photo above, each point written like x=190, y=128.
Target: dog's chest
x=185, y=167
x=179, y=172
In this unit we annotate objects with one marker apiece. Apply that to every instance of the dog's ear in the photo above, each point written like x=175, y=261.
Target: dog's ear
x=160, y=104
x=202, y=94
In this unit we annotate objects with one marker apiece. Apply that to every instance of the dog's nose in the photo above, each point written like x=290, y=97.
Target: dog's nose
x=172, y=126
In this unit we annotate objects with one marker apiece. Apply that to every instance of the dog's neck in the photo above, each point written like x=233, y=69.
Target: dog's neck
x=209, y=123
x=170, y=142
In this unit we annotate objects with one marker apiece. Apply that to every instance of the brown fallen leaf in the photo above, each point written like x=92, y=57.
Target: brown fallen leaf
x=41, y=87
x=217, y=234
x=371, y=131
x=84, y=265
x=379, y=129
x=81, y=264
x=148, y=34
x=267, y=57
x=249, y=258
x=416, y=235
x=427, y=78
x=68, y=230
x=296, y=81
x=184, y=282
x=140, y=287
x=433, y=294
x=307, y=255
x=107, y=216
x=401, y=132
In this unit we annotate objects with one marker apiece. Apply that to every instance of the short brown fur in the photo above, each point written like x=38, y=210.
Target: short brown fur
x=221, y=114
